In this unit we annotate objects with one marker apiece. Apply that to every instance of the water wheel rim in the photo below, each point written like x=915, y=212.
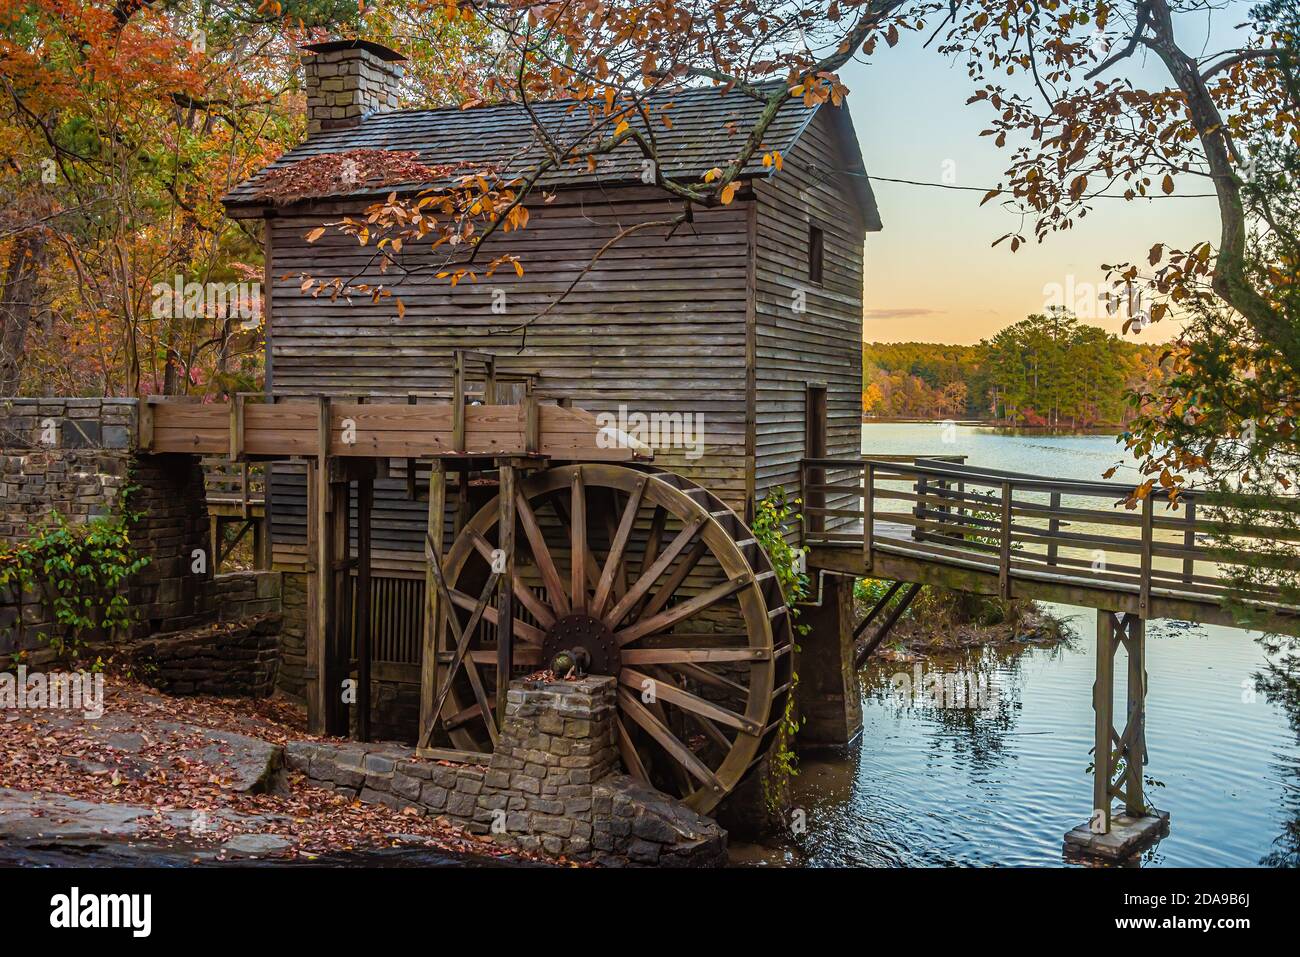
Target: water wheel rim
x=654, y=490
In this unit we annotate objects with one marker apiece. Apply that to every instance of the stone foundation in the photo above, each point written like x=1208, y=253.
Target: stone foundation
x=75, y=457
x=552, y=785
x=232, y=660
x=830, y=702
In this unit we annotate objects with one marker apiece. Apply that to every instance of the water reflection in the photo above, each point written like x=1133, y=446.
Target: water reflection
x=955, y=787
x=1000, y=784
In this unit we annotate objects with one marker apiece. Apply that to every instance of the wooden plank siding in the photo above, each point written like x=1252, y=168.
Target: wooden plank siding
x=657, y=325
x=824, y=344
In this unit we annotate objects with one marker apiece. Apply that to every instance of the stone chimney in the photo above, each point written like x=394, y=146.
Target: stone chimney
x=347, y=80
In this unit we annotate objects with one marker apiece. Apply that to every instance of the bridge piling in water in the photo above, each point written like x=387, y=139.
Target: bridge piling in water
x=830, y=701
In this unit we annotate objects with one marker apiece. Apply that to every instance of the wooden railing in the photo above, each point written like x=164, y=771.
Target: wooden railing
x=234, y=485
x=1025, y=527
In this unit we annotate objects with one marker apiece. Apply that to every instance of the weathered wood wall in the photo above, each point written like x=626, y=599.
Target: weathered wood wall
x=824, y=343
x=658, y=325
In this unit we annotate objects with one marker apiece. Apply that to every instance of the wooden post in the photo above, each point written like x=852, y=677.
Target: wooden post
x=410, y=463
x=868, y=506
x=458, y=404
x=316, y=600
x=365, y=505
x=338, y=631
x=144, y=424
x=1134, y=736
x=432, y=607
x=532, y=419
x=1103, y=703
x=1189, y=541
x=918, y=510
x=1004, y=544
x=1053, y=526
x=237, y=428
x=1144, y=586
x=815, y=443
x=506, y=590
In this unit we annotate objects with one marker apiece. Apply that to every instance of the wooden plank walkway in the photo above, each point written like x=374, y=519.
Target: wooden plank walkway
x=995, y=532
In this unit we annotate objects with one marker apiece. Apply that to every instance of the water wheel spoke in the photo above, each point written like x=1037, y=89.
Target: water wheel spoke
x=712, y=679
x=535, y=606
x=647, y=579
x=680, y=753
x=671, y=656
x=523, y=631
x=578, y=544
x=681, y=698
x=669, y=587
x=680, y=612
x=618, y=545
x=542, y=555
x=626, y=748
x=612, y=584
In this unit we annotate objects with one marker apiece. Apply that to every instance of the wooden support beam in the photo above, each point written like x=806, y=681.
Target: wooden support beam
x=365, y=506
x=237, y=429
x=1004, y=543
x=1189, y=540
x=144, y=424
x=506, y=591
x=1135, y=752
x=1103, y=703
x=338, y=629
x=317, y=591
x=901, y=606
x=432, y=601
x=1148, y=535
x=458, y=403
x=868, y=506
x=1053, y=527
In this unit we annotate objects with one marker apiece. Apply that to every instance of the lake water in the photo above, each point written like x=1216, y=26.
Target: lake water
x=937, y=787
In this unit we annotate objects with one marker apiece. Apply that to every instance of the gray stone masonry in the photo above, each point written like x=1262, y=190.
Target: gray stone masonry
x=553, y=784
x=344, y=86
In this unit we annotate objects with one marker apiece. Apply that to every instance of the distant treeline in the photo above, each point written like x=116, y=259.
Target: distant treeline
x=1047, y=370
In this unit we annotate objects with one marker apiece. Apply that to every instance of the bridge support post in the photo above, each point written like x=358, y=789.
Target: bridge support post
x=830, y=701
x=1119, y=757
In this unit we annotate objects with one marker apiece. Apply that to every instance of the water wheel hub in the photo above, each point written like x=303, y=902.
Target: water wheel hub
x=579, y=632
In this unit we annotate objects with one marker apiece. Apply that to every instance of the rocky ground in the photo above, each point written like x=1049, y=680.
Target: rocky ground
x=189, y=780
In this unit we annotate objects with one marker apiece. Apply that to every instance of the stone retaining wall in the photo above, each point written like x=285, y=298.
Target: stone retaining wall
x=75, y=457
x=236, y=659
x=552, y=785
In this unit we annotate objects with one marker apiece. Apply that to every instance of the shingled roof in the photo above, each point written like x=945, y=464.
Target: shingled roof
x=503, y=136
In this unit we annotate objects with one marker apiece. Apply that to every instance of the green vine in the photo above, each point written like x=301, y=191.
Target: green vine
x=81, y=572
x=774, y=519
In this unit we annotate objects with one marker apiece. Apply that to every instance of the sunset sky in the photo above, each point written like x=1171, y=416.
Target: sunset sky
x=931, y=274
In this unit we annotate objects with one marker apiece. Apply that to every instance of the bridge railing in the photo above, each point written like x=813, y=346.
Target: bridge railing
x=1016, y=525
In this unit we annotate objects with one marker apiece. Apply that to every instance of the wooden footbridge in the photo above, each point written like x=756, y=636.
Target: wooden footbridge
x=920, y=520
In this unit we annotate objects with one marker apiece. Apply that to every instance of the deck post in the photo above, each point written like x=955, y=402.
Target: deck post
x=505, y=564
x=1004, y=543
x=868, y=506
x=1148, y=534
x=1120, y=836
x=365, y=505
x=432, y=607
x=316, y=603
x=1103, y=704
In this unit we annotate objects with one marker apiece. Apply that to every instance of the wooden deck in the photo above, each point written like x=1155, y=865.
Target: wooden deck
x=995, y=532
x=242, y=429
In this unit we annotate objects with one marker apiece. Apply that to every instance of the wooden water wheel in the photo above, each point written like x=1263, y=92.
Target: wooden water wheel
x=669, y=592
